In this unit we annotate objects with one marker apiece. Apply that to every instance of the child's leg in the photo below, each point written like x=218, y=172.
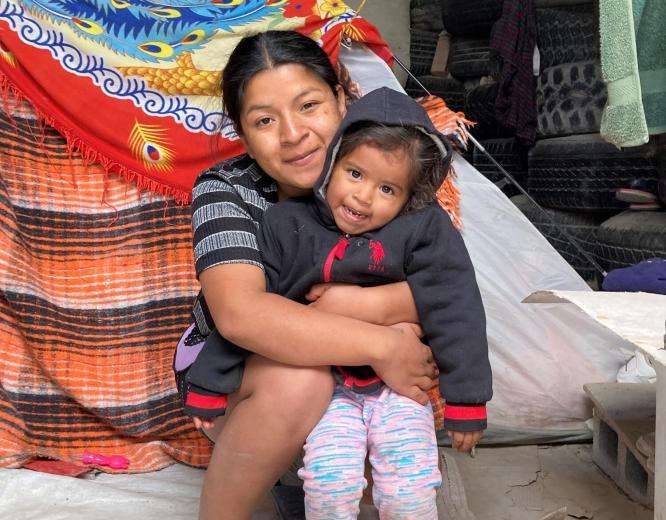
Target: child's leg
x=334, y=461
x=403, y=454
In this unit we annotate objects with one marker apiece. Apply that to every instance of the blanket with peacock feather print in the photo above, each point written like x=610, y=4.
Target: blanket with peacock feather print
x=134, y=85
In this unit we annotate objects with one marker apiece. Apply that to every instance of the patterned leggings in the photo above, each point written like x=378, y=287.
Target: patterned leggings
x=399, y=436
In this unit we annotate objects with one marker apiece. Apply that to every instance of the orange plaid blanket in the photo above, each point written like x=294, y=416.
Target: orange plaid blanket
x=96, y=286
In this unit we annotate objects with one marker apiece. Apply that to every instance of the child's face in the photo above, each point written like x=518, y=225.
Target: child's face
x=368, y=188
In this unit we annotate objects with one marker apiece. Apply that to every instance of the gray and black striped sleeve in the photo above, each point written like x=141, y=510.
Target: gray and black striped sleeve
x=225, y=221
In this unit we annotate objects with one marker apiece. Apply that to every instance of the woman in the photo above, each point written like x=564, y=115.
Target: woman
x=285, y=100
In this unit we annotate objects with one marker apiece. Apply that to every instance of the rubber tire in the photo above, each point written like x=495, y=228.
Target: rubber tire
x=570, y=99
x=470, y=58
x=480, y=108
x=560, y=3
x=583, y=172
x=449, y=89
x=425, y=15
x=422, y=48
x=631, y=237
x=567, y=35
x=470, y=17
x=582, y=227
x=661, y=167
x=511, y=155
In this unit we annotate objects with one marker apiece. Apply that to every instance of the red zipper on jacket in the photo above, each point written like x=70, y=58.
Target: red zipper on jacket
x=337, y=253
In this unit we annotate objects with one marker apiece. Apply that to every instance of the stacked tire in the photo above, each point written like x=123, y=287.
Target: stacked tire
x=470, y=22
x=572, y=170
x=425, y=29
x=634, y=236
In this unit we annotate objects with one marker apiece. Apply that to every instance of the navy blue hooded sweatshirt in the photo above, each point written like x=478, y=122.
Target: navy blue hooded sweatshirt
x=301, y=246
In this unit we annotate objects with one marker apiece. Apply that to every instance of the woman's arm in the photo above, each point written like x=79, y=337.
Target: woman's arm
x=382, y=305
x=285, y=331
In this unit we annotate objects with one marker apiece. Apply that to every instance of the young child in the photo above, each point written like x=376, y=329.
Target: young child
x=374, y=219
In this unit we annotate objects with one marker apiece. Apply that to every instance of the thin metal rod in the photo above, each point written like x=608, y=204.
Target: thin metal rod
x=513, y=181
x=406, y=69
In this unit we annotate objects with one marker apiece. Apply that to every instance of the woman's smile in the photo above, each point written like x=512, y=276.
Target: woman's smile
x=304, y=159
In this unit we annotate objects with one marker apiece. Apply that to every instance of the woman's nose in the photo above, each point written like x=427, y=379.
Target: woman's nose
x=292, y=130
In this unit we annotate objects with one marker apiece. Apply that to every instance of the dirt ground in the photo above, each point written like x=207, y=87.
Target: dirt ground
x=519, y=483
x=528, y=483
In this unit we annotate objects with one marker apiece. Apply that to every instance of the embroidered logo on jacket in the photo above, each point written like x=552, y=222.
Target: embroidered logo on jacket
x=377, y=255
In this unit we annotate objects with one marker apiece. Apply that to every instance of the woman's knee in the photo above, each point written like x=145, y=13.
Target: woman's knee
x=298, y=392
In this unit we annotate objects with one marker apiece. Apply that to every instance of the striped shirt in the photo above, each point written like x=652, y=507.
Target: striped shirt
x=228, y=204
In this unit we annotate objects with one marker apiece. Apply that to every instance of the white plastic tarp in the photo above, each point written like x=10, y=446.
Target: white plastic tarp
x=170, y=494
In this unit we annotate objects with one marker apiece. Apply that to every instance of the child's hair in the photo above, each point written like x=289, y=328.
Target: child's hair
x=428, y=166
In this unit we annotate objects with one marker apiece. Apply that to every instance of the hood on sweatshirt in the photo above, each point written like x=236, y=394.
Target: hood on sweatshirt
x=384, y=106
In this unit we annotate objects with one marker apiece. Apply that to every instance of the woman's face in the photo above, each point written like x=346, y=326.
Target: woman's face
x=289, y=116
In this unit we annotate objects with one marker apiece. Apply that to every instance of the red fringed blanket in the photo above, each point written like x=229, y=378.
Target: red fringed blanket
x=135, y=85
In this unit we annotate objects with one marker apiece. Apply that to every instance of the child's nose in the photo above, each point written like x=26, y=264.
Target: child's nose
x=364, y=194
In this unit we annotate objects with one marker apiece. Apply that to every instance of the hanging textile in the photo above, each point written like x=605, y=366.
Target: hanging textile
x=135, y=85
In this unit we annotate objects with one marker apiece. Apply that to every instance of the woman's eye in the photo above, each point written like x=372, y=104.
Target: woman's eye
x=309, y=105
x=263, y=121
x=387, y=190
x=355, y=174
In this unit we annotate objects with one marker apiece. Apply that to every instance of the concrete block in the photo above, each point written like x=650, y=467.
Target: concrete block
x=623, y=412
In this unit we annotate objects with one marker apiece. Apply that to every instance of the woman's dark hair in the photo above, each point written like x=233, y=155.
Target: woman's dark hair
x=268, y=50
x=428, y=165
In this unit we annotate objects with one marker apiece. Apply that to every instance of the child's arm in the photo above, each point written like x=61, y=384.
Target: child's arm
x=441, y=277
x=382, y=305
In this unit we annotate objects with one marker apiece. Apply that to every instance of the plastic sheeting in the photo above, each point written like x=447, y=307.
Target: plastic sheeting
x=541, y=355
x=170, y=494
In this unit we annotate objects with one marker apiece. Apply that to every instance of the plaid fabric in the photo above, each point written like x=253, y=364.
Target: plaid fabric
x=438, y=406
x=96, y=286
x=514, y=38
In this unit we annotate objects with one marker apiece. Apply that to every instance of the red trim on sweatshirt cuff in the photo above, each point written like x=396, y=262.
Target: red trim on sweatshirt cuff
x=465, y=413
x=209, y=402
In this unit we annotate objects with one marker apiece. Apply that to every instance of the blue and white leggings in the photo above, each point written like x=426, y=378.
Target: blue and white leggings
x=398, y=435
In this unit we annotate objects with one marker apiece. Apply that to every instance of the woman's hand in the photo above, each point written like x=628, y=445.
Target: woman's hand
x=337, y=298
x=408, y=366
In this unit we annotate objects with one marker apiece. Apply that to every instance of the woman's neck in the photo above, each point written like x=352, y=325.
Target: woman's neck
x=289, y=192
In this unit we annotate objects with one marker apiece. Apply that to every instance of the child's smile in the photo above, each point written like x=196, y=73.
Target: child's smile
x=368, y=188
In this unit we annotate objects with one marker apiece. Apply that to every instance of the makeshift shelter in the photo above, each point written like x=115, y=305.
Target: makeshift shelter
x=97, y=276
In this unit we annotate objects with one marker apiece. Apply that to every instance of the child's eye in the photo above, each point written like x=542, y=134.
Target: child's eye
x=355, y=174
x=386, y=189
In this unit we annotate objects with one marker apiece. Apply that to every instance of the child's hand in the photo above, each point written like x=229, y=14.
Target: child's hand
x=203, y=423
x=464, y=441
x=333, y=296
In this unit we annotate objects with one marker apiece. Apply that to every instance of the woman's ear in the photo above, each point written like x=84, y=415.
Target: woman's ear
x=247, y=148
x=341, y=99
